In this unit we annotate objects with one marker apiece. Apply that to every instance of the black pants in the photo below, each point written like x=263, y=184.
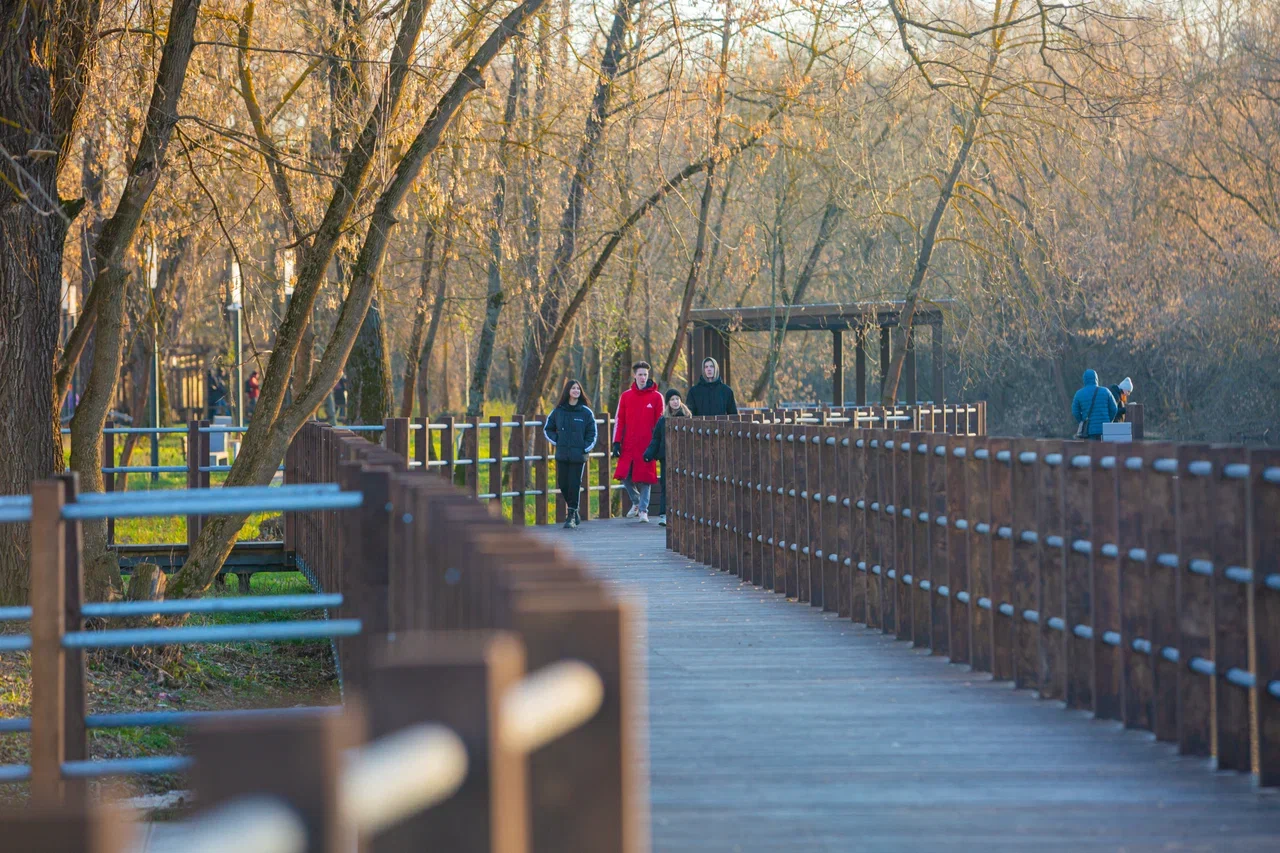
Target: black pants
x=569, y=481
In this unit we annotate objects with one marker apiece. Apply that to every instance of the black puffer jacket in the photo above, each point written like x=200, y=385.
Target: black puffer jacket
x=572, y=429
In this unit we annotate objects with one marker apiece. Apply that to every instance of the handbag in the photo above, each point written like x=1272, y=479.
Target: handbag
x=1082, y=429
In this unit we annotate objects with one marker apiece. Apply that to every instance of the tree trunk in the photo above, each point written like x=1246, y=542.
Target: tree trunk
x=414, y=351
x=33, y=227
x=267, y=441
x=145, y=169
x=369, y=394
x=495, y=297
x=830, y=217
x=548, y=313
x=928, y=240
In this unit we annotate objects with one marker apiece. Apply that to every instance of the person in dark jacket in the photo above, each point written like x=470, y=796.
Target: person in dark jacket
x=1092, y=407
x=571, y=429
x=710, y=396
x=657, y=450
x=1121, y=394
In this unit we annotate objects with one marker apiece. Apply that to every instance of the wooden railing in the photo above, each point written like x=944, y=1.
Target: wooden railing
x=439, y=609
x=1138, y=581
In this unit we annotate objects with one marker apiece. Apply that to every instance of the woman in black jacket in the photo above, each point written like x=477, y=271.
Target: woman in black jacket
x=571, y=429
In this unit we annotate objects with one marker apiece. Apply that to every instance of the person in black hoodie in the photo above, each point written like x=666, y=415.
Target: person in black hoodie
x=710, y=396
x=658, y=447
x=571, y=429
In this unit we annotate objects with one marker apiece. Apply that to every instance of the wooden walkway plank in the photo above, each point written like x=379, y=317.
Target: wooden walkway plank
x=778, y=727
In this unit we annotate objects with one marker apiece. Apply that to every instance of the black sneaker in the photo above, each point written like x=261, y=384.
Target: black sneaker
x=573, y=519
x=568, y=520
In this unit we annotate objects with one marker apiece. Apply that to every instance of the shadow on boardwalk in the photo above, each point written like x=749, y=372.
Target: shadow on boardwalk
x=775, y=727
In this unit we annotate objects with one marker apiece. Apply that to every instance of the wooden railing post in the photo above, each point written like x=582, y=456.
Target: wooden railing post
x=1108, y=663
x=1004, y=619
x=109, y=480
x=903, y=540
x=959, y=642
x=448, y=445
x=299, y=761
x=457, y=680
x=518, y=472
x=365, y=558
x=1135, y=610
x=76, y=830
x=395, y=437
x=1077, y=515
x=1196, y=519
x=978, y=473
x=422, y=450
x=939, y=569
x=918, y=529
x=1230, y=507
x=541, y=482
x=76, y=706
x=1026, y=597
x=1264, y=558
x=1049, y=523
x=585, y=789
x=48, y=659
x=1162, y=539
x=604, y=471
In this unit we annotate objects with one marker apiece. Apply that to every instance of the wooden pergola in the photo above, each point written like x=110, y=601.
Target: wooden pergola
x=713, y=329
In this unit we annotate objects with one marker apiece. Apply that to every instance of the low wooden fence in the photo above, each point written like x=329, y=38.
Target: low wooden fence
x=438, y=609
x=959, y=418
x=1138, y=581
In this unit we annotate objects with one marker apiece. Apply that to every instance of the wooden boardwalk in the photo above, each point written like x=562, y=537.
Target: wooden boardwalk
x=775, y=727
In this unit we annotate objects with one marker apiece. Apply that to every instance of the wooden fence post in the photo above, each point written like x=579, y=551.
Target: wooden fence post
x=918, y=524
x=48, y=659
x=365, y=555
x=1049, y=528
x=448, y=444
x=899, y=457
x=457, y=680
x=109, y=480
x=1162, y=540
x=422, y=450
x=1264, y=558
x=977, y=514
x=957, y=549
x=1004, y=617
x=1135, y=612
x=76, y=736
x=299, y=760
x=604, y=471
x=1108, y=663
x=1077, y=509
x=1024, y=492
x=585, y=788
x=1230, y=506
x=518, y=472
x=541, y=483
x=395, y=437
x=939, y=569
x=1196, y=518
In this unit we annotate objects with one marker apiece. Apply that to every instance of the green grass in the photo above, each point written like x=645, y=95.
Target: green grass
x=167, y=529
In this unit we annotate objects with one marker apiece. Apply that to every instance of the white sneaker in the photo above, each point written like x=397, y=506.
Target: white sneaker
x=633, y=512
x=644, y=518
x=662, y=521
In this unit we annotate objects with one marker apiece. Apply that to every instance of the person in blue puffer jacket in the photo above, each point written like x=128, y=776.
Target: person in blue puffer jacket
x=1093, y=406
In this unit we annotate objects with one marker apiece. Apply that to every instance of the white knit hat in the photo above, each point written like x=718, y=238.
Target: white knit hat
x=1126, y=385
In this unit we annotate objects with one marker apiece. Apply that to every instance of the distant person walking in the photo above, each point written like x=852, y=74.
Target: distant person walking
x=1092, y=407
x=1121, y=394
x=571, y=429
x=252, y=388
x=709, y=396
x=657, y=450
x=340, y=398
x=639, y=408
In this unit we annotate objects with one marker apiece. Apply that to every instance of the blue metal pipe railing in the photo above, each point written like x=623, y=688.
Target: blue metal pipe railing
x=264, y=632
x=246, y=604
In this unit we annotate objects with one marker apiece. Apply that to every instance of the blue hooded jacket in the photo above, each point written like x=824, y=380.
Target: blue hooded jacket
x=1094, y=397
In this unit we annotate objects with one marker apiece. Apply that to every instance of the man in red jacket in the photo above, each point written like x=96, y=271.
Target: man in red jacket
x=638, y=410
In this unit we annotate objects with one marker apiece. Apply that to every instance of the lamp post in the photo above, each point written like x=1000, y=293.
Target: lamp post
x=153, y=279
x=235, y=307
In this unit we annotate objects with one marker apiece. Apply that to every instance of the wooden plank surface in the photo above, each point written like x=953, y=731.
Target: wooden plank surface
x=777, y=727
